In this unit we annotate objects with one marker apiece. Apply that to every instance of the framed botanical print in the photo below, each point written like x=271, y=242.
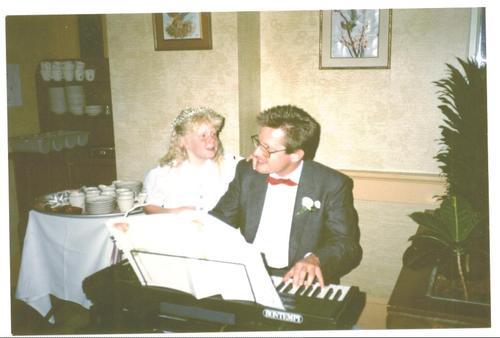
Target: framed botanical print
x=356, y=38
x=182, y=31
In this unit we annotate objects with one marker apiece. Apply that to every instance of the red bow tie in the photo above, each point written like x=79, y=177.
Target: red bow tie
x=273, y=181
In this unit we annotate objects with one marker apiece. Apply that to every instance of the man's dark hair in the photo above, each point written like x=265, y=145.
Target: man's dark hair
x=302, y=131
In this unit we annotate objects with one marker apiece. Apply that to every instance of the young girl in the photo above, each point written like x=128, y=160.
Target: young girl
x=194, y=173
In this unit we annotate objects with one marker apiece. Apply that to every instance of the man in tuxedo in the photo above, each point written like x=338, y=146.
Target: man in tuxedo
x=299, y=213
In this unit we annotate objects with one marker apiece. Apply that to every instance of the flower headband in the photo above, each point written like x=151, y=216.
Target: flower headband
x=187, y=114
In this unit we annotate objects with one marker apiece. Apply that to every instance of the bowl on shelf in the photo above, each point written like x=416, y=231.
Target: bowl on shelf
x=93, y=110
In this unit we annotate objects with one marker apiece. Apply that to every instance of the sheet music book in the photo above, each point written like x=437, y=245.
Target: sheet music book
x=195, y=253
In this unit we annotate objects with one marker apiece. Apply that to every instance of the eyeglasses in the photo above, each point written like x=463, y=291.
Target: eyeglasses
x=265, y=150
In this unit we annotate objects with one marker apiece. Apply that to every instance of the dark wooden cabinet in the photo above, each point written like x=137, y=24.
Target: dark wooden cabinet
x=410, y=307
x=38, y=174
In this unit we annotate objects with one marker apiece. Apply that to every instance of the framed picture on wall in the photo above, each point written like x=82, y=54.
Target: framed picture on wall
x=182, y=31
x=355, y=38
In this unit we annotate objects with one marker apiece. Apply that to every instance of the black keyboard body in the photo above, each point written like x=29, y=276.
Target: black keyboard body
x=121, y=304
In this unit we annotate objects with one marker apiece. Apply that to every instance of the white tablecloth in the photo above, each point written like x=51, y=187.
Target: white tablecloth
x=59, y=253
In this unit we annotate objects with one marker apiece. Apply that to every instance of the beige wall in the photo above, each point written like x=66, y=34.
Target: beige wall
x=372, y=119
x=249, y=77
x=150, y=87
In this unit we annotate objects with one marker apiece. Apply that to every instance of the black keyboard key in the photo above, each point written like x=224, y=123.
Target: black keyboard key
x=328, y=294
x=337, y=294
x=316, y=291
x=288, y=287
x=307, y=290
x=280, y=285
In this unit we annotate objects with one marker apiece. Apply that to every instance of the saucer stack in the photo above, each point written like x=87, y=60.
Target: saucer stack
x=98, y=205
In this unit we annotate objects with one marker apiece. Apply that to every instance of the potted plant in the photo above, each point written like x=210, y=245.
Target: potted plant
x=454, y=238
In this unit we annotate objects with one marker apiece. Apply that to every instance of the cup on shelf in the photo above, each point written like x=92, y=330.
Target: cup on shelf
x=56, y=74
x=89, y=74
x=68, y=65
x=46, y=74
x=79, y=64
x=79, y=74
x=68, y=74
x=45, y=65
x=57, y=65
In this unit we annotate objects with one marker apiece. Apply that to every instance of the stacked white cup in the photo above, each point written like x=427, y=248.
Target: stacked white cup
x=68, y=70
x=125, y=199
x=56, y=71
x=79, y=70
x=89, y=74
x=45, y=70
x=77, y=198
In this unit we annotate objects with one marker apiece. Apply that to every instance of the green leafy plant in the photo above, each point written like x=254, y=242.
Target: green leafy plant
x=445, y=235
x=463, y=157
x=458, y=229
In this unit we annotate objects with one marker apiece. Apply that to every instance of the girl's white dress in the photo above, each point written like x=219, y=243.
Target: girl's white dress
x=189, y=185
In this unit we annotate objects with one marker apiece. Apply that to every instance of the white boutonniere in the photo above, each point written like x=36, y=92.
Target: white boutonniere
x=309, y=205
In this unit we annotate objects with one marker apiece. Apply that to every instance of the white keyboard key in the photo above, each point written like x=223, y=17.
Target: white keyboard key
x=288, y=286
x=336, y=289
x=294, y=290
x=344, y=290
x=323, y=292
x=314, y=286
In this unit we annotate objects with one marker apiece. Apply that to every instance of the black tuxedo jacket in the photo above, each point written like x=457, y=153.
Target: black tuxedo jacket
x=330, y=232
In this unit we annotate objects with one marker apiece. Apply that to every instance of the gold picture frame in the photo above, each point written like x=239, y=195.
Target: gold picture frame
x=355, y=39
x=182, y=31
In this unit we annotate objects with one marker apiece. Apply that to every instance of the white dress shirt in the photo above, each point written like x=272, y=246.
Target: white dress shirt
x=190, y=185
x=273, y=234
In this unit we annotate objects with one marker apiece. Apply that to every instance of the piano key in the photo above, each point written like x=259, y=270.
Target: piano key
x=288, y=287
x=336, y=293
x=324, y=292
x=280, y=286
x=312, y=289
x=316, y=291
x=328, y=293
x=294, y=290
x=300, y=289
x=344, y=290
x=306, y=291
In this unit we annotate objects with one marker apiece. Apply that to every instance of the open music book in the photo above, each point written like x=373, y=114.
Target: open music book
x=194, y=253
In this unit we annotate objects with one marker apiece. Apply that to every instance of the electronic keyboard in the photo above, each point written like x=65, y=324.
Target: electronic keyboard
x=120, y=301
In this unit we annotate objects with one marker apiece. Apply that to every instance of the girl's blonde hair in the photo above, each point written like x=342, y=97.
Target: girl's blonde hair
x=188, y=120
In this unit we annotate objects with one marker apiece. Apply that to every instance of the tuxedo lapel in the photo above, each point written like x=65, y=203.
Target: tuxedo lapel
x=256, y=197
x=299, y=221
